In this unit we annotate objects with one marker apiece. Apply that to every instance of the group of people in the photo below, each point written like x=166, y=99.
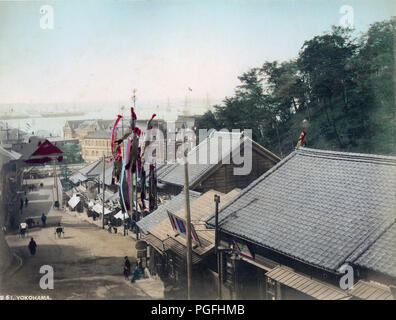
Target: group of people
x=136, y=273
x=23, y=228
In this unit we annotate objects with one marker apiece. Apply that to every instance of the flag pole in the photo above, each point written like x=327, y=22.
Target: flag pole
x=103, y=190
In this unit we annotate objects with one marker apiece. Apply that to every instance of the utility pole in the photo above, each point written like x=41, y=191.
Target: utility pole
x=136, y=203
x=217, y=251
x=188, y=226
x=103, y=190
x=56, y=184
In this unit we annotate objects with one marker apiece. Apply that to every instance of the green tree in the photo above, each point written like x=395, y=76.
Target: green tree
x=340, y=89
x=71, y=153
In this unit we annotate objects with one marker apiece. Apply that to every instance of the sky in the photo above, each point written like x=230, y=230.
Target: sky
x=100, y=50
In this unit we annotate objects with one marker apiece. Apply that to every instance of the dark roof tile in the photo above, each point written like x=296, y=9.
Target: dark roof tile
x=316, y=206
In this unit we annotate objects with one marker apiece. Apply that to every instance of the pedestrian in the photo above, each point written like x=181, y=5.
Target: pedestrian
x=22, y=229
x=21, y=205
x=43, y=219
x=136, y=273
x=32, y=247
x=127, y=268
x=26, y=202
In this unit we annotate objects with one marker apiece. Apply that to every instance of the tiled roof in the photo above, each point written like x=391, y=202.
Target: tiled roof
x=161, y=213
x=318, y=207
x=381, y=255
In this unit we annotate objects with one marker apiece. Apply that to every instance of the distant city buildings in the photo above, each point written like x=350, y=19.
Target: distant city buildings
x=94, y=135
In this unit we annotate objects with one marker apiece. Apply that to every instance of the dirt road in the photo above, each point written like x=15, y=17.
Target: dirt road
x=87, y=261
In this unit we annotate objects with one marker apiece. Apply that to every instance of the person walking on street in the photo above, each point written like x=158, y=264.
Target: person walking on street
x=26, y=202
x=127, y=268
x=32, y=247
x=21, y=206
x=22, y=229
x=43, y=219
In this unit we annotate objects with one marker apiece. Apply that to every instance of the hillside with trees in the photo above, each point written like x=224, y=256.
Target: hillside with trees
x=339, y=89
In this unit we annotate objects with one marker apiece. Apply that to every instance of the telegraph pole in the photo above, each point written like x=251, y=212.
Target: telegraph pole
x=56, y=184
x=188, y=226
x=103, y=190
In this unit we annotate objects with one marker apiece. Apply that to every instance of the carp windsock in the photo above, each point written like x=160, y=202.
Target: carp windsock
x=301, y=139
x=118, y=150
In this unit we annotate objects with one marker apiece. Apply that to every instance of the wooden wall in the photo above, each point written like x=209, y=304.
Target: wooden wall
x=224, y=180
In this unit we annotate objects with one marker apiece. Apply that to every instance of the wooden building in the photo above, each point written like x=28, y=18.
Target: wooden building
x=291, y=231
x=167, y=241
x=212, y=164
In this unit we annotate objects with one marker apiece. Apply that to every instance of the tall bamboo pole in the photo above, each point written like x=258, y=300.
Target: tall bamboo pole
x=103, y=190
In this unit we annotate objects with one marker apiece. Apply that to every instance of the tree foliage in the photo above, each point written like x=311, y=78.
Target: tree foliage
x=339, y=89
x=71, y=153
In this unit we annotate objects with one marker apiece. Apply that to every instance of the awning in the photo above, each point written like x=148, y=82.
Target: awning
x=175, y=246
x=304, y=284
x=371, y=291
x=98, y=208
x=74, y=201
x=156, y=243
x=120, y=215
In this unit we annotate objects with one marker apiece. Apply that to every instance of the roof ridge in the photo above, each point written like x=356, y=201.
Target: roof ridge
x=346, y=155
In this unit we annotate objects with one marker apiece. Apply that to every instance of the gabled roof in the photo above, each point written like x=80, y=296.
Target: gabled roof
x=319, y=207
x=38, y=149
x=204, y=158
x=94, y=170
x=174, y=204
x=86, y=170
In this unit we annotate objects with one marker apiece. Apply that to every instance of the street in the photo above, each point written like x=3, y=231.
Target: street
x=87, y=260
